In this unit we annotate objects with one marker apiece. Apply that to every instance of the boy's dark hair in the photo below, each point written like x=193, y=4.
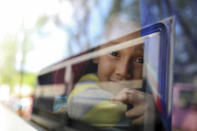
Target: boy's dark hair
x=90, y=68
x=84, y=68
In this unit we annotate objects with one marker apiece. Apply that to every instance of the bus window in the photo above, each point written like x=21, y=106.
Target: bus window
x=112, y=68
x=115, y=86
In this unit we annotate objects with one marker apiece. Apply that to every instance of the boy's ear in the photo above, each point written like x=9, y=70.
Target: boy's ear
x=95, y=60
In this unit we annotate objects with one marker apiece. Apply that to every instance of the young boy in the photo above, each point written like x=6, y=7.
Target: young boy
x=90, y=101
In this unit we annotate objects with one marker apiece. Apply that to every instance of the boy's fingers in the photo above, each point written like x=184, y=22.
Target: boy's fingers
x=122, y=95
x=131, y=96
x=135, y=112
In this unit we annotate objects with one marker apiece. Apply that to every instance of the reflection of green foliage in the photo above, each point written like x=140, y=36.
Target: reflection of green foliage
x=8, y=51
x=42, y=20
x=29, y=79
x=8, y=73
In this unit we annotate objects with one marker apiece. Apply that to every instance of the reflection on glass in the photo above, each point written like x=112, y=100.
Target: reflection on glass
x=109, y=91
x=105, y=87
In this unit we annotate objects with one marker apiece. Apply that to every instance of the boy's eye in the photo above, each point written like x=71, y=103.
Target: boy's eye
x=139, y=60
x=114, y=53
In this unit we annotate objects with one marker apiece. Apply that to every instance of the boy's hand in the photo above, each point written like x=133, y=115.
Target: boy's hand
x=143, y=105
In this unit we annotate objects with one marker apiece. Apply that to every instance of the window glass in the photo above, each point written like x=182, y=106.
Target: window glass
x=108, y=91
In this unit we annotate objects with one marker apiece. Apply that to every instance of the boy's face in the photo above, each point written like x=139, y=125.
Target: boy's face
x=125, y=64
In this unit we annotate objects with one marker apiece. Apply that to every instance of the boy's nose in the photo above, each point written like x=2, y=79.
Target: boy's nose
x=122, y=71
